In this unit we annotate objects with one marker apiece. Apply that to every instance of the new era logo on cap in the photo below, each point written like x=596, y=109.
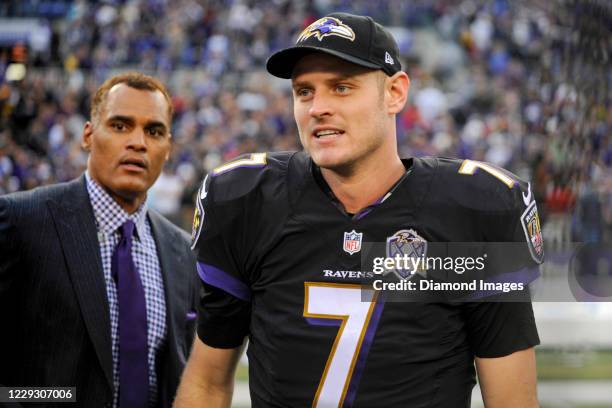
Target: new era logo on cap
x=388, y=58
x=356, y=39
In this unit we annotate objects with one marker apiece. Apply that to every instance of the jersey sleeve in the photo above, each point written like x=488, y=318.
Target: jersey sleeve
x=497, y=329
x=514, y=246
x=224, y=305
x=500, y=323
x=232, y=226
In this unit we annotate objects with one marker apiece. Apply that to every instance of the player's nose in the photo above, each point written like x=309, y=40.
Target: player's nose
x=321, y=106
x=137, y=139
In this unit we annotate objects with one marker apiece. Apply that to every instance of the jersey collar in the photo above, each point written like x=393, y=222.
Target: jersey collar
x=322, y=184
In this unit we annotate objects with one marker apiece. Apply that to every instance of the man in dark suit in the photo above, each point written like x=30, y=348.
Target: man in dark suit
x=96, y=291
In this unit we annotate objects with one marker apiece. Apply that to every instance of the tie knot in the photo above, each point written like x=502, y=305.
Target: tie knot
x=127, y=229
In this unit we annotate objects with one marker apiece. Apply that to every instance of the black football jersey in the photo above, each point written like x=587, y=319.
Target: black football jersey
x=283, y=264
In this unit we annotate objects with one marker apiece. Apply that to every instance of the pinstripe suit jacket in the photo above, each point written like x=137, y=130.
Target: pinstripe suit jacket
x=54, y=311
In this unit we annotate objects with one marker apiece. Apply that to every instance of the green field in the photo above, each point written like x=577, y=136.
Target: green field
x=242, y=374
x=574, y=364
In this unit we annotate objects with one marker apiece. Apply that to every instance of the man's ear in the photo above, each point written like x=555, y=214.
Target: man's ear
x=87, y=135
x=397, y=92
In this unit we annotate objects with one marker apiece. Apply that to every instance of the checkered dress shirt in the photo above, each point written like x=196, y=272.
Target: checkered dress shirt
x=109, y=217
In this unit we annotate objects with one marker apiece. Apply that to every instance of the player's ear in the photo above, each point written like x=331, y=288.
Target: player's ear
x=87, y=135
x=397, y=92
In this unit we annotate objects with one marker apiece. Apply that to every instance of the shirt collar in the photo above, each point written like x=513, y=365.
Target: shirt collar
x=109, y=214
x=320, y=180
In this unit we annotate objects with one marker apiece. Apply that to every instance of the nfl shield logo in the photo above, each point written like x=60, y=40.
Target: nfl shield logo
x=352, y=242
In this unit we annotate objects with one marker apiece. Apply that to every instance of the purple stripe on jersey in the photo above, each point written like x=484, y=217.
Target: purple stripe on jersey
x=317, y=321
x=364, y=213
x=368, y=338
x=224, y=281
x=370, y=208
x=525, y=275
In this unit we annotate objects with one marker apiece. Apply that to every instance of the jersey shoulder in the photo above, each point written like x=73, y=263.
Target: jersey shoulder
x=247, y=188
x=479, y=196
x=476, y=185
x=245, y=175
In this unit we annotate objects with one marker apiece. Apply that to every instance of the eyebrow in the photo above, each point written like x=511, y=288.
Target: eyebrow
x=299, y=84
x=335, y=79
x=131, y=121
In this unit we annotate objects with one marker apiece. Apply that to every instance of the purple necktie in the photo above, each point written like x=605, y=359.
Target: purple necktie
x=133, y=366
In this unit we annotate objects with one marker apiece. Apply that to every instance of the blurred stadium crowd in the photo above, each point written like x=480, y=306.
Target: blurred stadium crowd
x=524, y=85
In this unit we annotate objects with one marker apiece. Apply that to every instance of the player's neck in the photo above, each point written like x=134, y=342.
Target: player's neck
x=363, y=187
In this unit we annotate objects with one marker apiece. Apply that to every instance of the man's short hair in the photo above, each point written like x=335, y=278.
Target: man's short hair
x=134, y=80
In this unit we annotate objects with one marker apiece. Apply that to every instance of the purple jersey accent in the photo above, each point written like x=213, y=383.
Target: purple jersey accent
x=363, y=214
x=316, y=321
x=370, y=207
x=368, y=338
x=224, y=281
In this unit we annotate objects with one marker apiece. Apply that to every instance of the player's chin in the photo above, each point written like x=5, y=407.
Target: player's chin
x=329, y=160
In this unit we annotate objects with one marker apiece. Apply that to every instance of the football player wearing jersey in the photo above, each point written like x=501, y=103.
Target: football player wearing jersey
x=279, y=239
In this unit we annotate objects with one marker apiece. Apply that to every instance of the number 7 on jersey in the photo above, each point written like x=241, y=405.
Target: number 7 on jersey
x=353, y=307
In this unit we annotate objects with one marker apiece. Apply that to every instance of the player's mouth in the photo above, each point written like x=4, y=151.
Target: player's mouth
x=324, y=134
x=134, y=164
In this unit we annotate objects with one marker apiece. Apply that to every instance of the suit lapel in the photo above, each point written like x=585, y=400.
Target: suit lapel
x=76, y=229
x=171, y=256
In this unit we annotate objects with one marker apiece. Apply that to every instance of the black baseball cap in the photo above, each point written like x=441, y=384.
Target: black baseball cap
x=357, y=39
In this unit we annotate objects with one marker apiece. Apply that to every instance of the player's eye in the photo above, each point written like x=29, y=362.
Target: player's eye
x=156, y=132
x=342, y=89
x=303, y=92
x=118, y=126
